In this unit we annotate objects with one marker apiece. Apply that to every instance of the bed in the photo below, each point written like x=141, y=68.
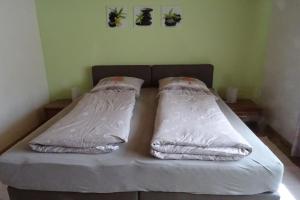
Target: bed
x=131, y=173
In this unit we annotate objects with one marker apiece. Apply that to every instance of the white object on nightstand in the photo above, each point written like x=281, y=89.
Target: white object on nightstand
x=231, y=95
x=75, y=92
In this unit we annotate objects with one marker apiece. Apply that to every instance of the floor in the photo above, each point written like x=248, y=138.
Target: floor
x=289, y=189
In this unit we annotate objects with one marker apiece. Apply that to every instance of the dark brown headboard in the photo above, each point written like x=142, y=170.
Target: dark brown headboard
x=138, y=71
x=152, y=74
x=204, y=72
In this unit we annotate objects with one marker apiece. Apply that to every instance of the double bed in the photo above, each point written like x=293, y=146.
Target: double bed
x=131, y=173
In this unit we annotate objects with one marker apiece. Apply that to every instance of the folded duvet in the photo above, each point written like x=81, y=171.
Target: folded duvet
x=190, y=125
x=98, y=124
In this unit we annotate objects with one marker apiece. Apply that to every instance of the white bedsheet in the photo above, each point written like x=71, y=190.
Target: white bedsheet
x=98, y=124
x=190, y=125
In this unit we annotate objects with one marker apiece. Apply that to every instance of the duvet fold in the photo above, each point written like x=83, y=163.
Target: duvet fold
x=97, y=124
x=190, y=125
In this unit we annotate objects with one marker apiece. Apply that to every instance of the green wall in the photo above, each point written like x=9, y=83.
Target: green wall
x=231, y=34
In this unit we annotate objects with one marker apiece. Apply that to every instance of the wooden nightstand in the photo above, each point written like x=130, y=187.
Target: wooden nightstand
x=54, y=107
x=248, y=111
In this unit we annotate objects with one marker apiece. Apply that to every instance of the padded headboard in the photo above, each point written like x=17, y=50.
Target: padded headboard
x=138, y=71
x=204, y=72
x=152, y=74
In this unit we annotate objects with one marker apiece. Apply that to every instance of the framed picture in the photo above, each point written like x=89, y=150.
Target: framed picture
x=171, y=16
x=117, y=17
x=143, y=16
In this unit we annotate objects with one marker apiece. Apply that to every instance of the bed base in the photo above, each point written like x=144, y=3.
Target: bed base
x=18, y=194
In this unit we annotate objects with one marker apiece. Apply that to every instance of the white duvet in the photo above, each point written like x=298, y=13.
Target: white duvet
x=98, y=124
x=190, y=125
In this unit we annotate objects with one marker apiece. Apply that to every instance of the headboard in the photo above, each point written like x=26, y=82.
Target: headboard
x=138, y=71
x=152, y=74
x=203, y=72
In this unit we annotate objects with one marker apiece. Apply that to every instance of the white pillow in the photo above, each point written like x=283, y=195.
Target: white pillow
x=120, y=82
x=181, y=83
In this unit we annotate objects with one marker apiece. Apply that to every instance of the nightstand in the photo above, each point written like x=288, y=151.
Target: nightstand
x=54, y=107
x=248, y=111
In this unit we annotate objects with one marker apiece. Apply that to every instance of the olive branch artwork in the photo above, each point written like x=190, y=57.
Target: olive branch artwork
x=116, y=17
x=171, y=16
x=143, y=16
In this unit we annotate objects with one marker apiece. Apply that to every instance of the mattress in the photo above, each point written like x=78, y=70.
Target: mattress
x=132, y=168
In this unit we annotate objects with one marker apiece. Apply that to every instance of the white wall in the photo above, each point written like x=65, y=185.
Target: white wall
x=23, y=85
x=281, y=92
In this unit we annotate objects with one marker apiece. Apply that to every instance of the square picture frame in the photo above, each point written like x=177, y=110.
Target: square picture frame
x=171, y=16
x=143, y=16
x=116, y=17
